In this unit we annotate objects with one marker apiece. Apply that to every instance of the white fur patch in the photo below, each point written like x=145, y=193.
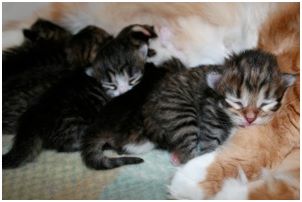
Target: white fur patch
x=234, y=188
x=233, y=104
x=89, y=71
x=185, y=183
x=122, y=82
x=269, y=106
x=139, y=148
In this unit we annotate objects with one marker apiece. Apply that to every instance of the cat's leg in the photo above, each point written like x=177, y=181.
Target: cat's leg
x=26, y=148
x=217, y=174
x=203, y=177
x=282, y=182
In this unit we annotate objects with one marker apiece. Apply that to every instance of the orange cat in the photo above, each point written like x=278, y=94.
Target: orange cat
x=260, y=162
x=196, y=33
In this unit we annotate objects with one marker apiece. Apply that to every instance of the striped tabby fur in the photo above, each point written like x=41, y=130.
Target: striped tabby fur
x=188, y=112
x=120, y=122
x=197, y=110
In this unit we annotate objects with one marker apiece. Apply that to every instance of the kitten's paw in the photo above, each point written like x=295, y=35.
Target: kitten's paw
x=174, y=159
x=185, y=183
x=234, y=188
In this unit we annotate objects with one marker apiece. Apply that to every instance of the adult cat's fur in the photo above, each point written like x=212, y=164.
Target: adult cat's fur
x=60, y=117
x=41, y=61
x=274, y=146
x=197, y=33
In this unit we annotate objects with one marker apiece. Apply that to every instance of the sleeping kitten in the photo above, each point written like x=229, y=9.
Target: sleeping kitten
x=197, y=110
x=43, y=60
x=119, y=125
x=190, y=112
x=41, y=40
x=59, y=119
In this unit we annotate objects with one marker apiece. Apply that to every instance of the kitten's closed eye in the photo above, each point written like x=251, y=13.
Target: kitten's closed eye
x=267, y=105
x=234, y=102
x=110, y=86
x=135, y=79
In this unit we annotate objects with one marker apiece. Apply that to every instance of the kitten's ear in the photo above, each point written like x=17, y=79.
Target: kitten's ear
x=288, y=79
x=212, y=79
x=140, y=36
x=90, y=71
x=143, y=32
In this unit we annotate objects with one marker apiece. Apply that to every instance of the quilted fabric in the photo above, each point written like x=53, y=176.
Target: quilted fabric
x=63, y=176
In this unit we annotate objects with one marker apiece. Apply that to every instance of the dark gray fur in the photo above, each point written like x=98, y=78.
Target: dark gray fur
x=60, y=117
x=40, y=62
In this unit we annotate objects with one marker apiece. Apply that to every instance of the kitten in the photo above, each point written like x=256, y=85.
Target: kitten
x=41, y=40
x=197, y=110
x=191, y=112
x=59, y=119
x=113, y=128
x=260, y=162
x=43, y=60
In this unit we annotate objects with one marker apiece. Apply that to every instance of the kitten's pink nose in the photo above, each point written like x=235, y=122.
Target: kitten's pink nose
x=250, y=120
x=250, y=117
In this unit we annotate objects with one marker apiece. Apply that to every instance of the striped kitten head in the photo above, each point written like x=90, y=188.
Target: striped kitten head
x=252, y=87
x=119, y=64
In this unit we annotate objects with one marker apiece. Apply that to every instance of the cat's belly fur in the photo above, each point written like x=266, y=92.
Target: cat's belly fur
x=186, y=31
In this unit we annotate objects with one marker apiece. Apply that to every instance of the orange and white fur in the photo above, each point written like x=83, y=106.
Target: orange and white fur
x=259, y=162
x=196, y=33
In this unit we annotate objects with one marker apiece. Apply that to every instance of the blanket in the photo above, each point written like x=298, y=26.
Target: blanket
x=63, y=176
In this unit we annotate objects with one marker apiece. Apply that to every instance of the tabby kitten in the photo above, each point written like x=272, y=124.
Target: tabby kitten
x=190, y=112
x=119, y=125
x=197, y=110
x=59, y=119
x=45, y=58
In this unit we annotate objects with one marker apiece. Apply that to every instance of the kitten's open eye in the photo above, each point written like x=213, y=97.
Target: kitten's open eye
x=110, y=86
x=135, y=79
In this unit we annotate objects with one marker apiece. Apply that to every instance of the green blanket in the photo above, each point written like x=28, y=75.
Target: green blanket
x=63, y=176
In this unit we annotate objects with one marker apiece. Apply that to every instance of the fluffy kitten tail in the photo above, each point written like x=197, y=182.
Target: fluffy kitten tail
x=23, y=151
x=93, y=157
